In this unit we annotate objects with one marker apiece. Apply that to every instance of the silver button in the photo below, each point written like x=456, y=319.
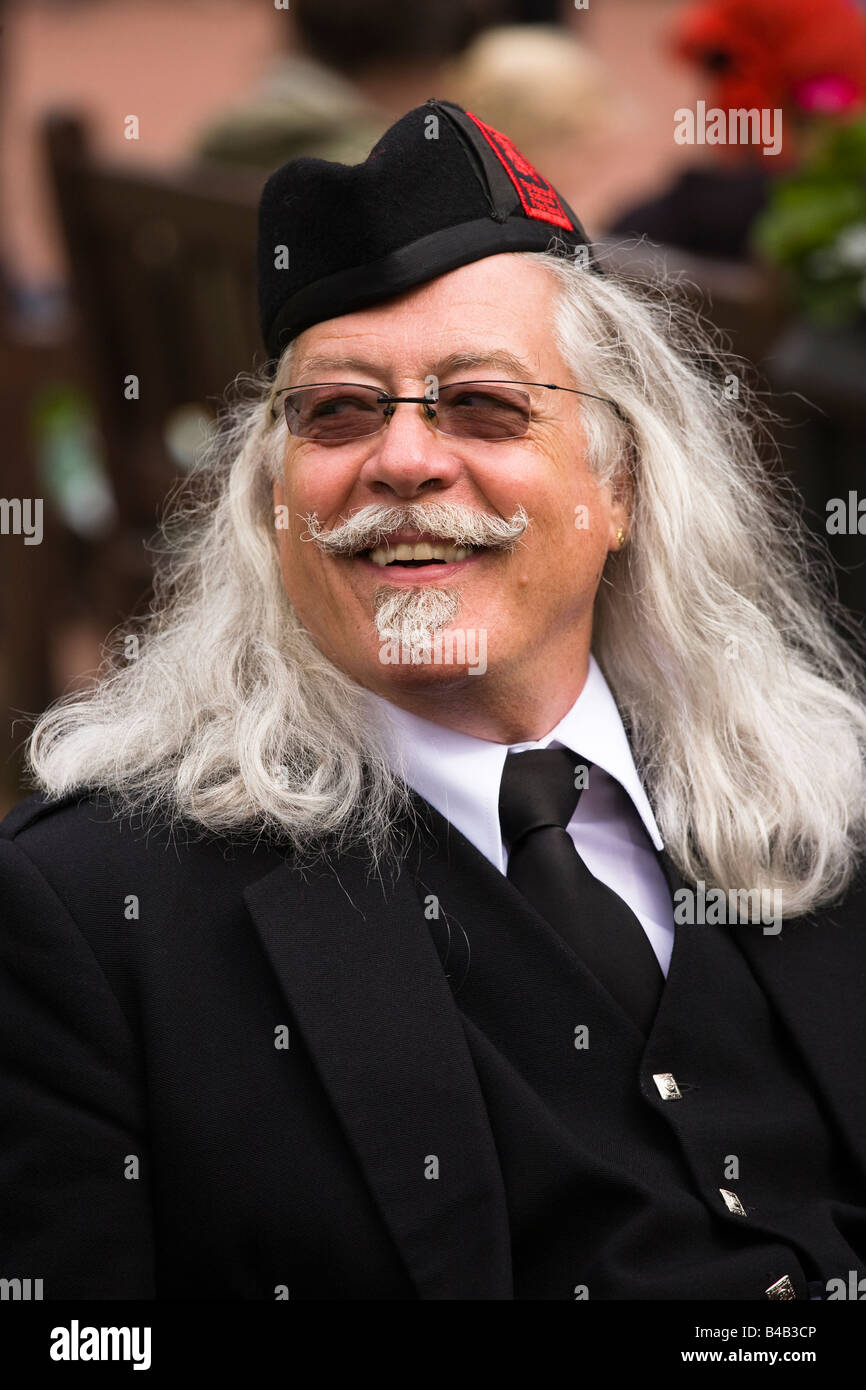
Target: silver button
x=782, y=1289
x=667, y=1086
x=732, y=1202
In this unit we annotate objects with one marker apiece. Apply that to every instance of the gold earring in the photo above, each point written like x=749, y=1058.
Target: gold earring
x=620, y=536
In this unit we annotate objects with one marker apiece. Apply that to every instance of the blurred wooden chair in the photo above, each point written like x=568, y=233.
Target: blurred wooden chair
x=739, y=299
x=162, y=275
x=30, y=574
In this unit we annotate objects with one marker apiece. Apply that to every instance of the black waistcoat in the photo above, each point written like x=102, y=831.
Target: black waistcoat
x=614, y=1192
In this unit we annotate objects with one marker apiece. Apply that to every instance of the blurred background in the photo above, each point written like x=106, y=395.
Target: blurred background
x=135, y=136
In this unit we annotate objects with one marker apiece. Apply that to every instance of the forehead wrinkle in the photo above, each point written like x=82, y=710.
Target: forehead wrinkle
x=459, y=360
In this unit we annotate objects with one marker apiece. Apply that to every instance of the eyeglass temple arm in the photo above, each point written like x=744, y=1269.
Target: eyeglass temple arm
x=549, y=386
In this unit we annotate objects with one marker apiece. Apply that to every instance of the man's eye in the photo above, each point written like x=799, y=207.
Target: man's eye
x=340, y=405
x=487, y=401
x=474, y=398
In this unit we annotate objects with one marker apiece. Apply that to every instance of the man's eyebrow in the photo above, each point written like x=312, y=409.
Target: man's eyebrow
x=471, y=361
x=324, y=367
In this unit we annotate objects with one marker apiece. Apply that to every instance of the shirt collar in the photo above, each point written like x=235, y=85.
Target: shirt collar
x=460, y=775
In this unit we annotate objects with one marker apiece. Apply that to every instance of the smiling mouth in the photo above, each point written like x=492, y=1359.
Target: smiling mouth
x=416, y=555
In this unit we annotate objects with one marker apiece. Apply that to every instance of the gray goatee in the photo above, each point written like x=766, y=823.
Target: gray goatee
x=413, y=616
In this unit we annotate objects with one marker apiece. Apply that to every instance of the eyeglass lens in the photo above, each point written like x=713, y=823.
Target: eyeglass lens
x=335, y=413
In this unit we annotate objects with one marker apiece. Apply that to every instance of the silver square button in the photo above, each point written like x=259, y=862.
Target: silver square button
x=782, y=1289
x=732, y=1202
x=666, y=1085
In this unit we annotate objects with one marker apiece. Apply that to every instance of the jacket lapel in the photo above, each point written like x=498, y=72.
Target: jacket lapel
x=357, y=963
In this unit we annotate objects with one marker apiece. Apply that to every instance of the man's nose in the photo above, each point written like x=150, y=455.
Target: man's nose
x=409, y=453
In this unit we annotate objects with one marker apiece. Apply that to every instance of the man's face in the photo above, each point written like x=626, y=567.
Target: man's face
x=533, y=603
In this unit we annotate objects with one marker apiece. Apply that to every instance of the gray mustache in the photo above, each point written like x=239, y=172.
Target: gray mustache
x=446, y=521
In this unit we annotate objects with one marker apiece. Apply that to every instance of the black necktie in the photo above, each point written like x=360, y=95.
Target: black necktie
x=537, y=800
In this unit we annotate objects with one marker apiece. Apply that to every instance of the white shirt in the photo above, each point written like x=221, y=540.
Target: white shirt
x=613, y=827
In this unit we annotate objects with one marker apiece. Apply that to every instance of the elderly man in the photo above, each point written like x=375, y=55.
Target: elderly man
x=453, y=889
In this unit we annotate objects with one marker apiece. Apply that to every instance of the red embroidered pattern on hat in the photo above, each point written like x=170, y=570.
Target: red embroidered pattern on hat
x=536, y=194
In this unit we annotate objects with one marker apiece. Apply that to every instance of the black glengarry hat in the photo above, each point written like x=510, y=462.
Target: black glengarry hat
x=440, y=189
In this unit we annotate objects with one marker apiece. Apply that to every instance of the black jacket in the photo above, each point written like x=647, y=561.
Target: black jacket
x=223, y=1076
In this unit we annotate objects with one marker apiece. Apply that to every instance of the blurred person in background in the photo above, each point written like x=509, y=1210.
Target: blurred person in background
x=349, y=66
x=546, y=86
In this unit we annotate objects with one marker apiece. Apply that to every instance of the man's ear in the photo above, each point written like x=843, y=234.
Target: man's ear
x=622, y=495
x=620, y=492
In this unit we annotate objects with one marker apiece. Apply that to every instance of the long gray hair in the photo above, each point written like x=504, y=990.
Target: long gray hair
x=744, y=704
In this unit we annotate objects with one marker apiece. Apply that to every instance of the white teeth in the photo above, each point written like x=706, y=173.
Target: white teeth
x=423, y=550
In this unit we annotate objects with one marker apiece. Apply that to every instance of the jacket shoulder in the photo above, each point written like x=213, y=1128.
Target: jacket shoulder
x=85, y=838
x=33, y=808
x=81, y=820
